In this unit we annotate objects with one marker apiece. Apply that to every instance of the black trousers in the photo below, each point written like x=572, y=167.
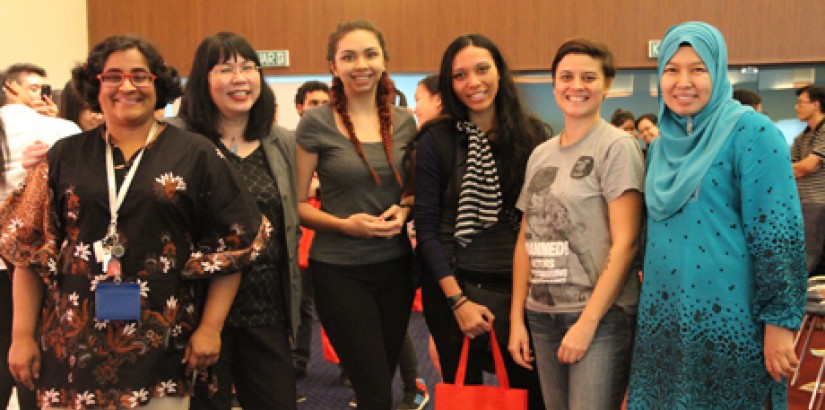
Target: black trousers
x=448, y=338
x=303, y=337
x=258, y=360
x=365, y=310
x=27, y=399
x=408, y=365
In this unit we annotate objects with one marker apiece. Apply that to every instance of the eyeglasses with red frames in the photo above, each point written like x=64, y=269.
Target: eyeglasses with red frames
x=116, y=78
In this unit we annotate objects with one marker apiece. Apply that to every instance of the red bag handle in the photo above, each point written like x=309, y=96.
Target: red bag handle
x=501, y=371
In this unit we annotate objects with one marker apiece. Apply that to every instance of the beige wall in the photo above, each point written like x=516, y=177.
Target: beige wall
x=50, y=33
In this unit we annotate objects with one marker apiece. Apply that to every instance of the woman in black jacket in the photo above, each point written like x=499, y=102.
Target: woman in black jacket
x=469, y=171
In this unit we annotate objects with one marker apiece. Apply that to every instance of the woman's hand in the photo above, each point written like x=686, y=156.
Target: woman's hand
x=395, y=218
x=34, y=153
x=24, y=361
x=203, y=350
x=519, y=345
x=363, y=225
x=576, y=341
x=474, y=319
x=780, y=358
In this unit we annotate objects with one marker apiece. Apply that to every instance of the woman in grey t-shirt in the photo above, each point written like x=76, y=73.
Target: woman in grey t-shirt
x=582, y=203
x=360, y=256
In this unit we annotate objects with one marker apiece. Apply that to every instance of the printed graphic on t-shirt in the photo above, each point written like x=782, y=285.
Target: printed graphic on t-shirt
x=582, y=168
x=562, y=269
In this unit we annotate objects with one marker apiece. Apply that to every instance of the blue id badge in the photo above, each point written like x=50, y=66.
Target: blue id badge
x=117, y=301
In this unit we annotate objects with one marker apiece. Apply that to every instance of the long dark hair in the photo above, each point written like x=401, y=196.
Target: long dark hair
x=516, y=131
x=197, y=108
x=71, y=104
x=384, y=96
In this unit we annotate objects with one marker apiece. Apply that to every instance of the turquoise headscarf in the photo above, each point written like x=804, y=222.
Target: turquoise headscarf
x=678, y=161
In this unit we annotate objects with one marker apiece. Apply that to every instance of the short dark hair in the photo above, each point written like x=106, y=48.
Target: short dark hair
x=430, y=82
x=621, y=116
x=815, y=93
x=14, y=71
x=308, y=87
x=586, y=46
x=167, y=83
x=747, y=97
x=648, y=116
x=197, y=108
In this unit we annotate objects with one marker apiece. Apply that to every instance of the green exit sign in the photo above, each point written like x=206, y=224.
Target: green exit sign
x=274, y=58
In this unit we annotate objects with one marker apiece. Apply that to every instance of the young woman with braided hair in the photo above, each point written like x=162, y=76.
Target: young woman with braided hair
x=360, y=257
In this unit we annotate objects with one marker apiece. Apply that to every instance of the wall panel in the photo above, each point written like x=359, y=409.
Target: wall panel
x=528, y=31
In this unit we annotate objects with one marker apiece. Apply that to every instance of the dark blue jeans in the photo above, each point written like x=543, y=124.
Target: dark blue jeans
x=599, y=380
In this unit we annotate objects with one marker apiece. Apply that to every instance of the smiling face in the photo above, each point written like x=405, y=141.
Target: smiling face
x=648, y=130
x=359, y=62
x=234, y=86
x=126, y=105
x=427, y=104
x=686, y=83
x=475, y=81
x=580, y=86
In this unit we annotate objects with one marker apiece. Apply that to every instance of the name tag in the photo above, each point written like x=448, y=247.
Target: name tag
x=117, y=301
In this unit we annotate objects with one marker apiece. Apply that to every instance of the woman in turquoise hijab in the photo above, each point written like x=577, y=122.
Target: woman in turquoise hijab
x=724, y=275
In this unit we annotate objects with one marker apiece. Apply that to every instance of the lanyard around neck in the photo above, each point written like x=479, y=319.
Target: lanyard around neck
x=116, y=196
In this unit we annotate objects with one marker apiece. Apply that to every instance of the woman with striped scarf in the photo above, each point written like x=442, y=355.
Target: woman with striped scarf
x=469, y=170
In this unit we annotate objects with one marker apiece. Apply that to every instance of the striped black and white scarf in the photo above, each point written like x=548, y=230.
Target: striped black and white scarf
x=480, y=199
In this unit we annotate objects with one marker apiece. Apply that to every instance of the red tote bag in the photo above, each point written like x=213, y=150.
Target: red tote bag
x=463, y=397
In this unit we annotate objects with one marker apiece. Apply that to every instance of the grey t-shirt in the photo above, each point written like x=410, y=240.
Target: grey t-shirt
x=347, y=187
x=564, y=200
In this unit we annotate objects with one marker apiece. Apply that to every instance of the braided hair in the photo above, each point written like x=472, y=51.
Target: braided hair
x=384, y=98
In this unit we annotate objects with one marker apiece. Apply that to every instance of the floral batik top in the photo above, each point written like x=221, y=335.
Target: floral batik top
x=185, y=218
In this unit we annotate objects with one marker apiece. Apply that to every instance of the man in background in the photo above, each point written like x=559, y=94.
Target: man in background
x=32, y=78
x=807, y=152
x=311, y=94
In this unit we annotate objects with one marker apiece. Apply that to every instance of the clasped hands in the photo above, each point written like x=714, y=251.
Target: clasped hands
x=387, y=225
